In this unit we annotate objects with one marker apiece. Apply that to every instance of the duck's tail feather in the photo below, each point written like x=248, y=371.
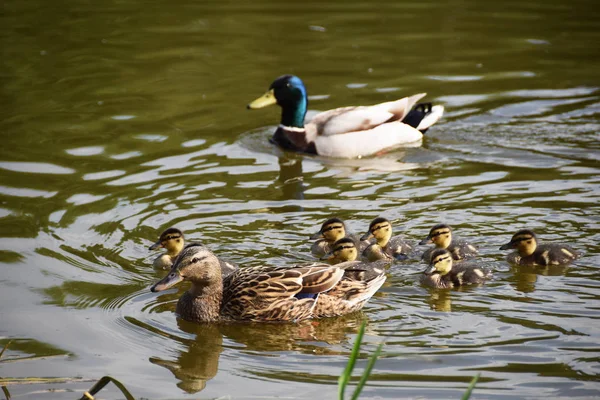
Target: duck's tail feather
x=423, y=115
x=435, y=113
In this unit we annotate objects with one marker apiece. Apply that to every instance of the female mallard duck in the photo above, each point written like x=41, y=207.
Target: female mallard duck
x=332, y=230
x=529, y=252
x=262, y=293
x=441, y=274
x=172, y=239
x=387, y=247
x=441, y=236
x=346, y=132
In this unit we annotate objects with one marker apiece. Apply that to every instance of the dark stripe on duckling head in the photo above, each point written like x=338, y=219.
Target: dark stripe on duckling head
x=344, y=243
x=378, y=223
x=440, y=255
x=523, y=234
x=332, y=223
x=171, y=233
x=439, y=229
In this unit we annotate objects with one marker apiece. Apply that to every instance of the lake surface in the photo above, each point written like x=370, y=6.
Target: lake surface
x=120, y=119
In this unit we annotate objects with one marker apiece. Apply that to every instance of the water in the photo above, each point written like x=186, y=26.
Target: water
x=121, y=119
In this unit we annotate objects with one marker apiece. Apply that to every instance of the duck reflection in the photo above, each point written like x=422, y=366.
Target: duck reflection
x=525, y=277
x=198, y=362
x=440, y=300
x=291, y=176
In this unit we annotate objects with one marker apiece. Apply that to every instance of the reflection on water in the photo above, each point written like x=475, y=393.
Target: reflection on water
x=116, y=127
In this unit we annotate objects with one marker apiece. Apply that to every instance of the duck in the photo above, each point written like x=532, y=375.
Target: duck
x=441, y=236
x=331, y=230
x=530, y=252
x=386, y=246
x=264, y=293
x=347, y=132
x=344, y=254
x=172, y=239
x=442, y=274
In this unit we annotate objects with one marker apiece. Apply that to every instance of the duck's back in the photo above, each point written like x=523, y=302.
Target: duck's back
x=546, y=254
x=463, y=274
x=461, y=249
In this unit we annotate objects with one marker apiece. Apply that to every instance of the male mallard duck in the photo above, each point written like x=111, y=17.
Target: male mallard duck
x=529, y=252
x=441, y=236
x=332, y=230
x=441, y=274
x=387, y=247
x=345, y=132
x=172, y=239
x=262, y=293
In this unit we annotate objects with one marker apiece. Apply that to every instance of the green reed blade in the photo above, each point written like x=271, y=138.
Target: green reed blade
x=6, y=392
x=367, y=373
x=5, y=347
x=103, y=382
x=471, y=387
x=345, y=377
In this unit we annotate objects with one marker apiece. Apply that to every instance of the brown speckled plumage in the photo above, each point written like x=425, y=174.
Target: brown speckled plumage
x=266, y=293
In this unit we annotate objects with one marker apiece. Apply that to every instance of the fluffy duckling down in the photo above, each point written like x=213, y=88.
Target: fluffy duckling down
x=331, y=231
x=172, y=240
x=530, y=252
x=386, y=246
x=443, y=274
x=441, y=236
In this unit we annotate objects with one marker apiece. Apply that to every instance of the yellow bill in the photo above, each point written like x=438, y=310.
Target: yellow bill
x=265, y=100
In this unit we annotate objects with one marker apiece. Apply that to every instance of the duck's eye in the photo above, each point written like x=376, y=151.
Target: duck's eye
x=194, y=260
x=529, y=242
x=288, y=84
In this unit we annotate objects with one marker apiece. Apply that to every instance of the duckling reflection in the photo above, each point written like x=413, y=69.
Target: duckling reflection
x=199, y=362
x=525, y=277
x=440, y=300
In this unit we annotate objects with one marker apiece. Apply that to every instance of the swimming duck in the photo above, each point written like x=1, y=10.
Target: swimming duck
x=263, y=294
x=346, y=132
x=441, y=236
x=344, y=254
x=331, y=230
x=529, y=252
x=442, y=274
x=386, y=247
x=172, y=239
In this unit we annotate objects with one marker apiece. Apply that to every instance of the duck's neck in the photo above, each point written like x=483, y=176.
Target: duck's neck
x=201, y=303
x=293, y=114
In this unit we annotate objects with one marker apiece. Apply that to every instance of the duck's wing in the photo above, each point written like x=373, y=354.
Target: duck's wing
x=277, y=293
x=361, y=118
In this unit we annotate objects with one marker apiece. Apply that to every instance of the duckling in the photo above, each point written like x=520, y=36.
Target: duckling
x=441, y=274
x=332, y=230
x=344, y=254
x=172, y=239
x=441, y=236
x=529, y=252
x=263, y=294
x=386, y=247
x=346, y=132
